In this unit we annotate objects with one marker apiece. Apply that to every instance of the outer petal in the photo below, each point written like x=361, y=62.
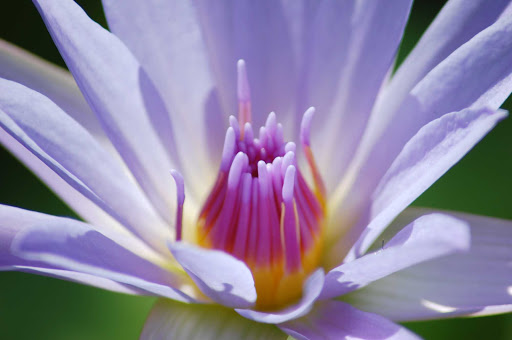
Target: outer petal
x=458, y=22
x=84, y=207
x=428, y=237
x=312, y=288
x=425, y=158
x=65, y=147
x=166, y=38
x=338, y=320
x=349, y=49
x=174, y=320
x=50, y=80
x=220, y=276
x=120, y=93
x=58, y=85
x=55, y=242
x=13, y=221
x=475, y=283
x=478, y=74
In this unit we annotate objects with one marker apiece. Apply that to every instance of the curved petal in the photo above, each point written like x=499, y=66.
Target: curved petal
x=338, y=320
x=58, y=85
x=351, y=48
x=13, y=221
x=84, y=207
x=425, y=158
x=166, y=38
x=478, y=282
x=478, y=74
x=219, y=275
x=91, y=280
x=458, y=22
x=52, y=81
x=65, y=147
x=428, y=237
x=75, y=246
x=312, y=288
x=121, y=94
x=178, y=321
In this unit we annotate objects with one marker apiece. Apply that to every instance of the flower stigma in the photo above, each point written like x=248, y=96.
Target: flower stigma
x=261, y=210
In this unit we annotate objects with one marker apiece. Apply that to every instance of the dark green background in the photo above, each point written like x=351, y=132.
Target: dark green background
x=35, y=307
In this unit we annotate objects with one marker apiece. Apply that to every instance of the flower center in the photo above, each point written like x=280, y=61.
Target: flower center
x=261, y=210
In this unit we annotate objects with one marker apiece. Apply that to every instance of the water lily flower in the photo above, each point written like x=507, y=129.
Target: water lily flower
x=248, y=223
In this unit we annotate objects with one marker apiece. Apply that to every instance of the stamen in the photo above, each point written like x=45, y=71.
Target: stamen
x=244, y=96
x=180, y=193
x=305, y=128
x=289, y=223
x=261, y=210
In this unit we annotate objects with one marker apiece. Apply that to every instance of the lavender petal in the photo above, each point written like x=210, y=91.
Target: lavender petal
x=425, y=158
x=338, y=320
x=219, y=275
x=120, y=93
x=478, y=282
x=428, y=237
x=55, y=242
x=70, y=151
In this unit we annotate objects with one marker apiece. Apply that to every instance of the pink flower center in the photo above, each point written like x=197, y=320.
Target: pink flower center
x=261, y=209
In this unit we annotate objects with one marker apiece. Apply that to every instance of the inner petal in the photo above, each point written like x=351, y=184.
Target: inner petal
x=261, y=209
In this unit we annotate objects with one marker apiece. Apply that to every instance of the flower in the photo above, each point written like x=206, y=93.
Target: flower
x=162, y=88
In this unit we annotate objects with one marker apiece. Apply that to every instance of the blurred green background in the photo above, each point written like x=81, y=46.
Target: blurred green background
x=35, y=307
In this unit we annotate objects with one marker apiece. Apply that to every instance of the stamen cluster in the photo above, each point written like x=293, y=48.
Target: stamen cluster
x=262, y=211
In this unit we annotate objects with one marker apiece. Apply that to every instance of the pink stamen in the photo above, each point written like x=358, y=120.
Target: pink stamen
x=244, y=95
x=261, y=209
x=305, y=129
x=180, y=193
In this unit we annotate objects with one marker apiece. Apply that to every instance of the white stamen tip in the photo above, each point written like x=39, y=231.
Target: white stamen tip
x=305, y=125
x=288, y=184
x=243, y=91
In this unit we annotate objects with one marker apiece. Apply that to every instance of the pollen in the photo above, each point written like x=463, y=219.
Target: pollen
x=261, y=208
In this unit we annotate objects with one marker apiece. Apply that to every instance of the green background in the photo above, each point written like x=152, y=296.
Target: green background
x=35, y=307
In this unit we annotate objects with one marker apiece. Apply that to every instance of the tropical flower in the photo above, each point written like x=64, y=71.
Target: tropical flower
x=299, y=228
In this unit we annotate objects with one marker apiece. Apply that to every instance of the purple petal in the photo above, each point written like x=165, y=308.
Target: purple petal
x=174, y=320
x=58, y=85
x=458, y=22
x=425, y=158
x=428, y=237
x=13, y=221
x=478, y=74
x=478, y=282
x=90, y=280
x=54, y=82
x=66, y=148
x=234, y=31
x=349, y=49
x=84, y=207
x=338, y=320
x=182, y=73
x=219, y=275
x=120, y=93
x=312, y=288
x=75, y=246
